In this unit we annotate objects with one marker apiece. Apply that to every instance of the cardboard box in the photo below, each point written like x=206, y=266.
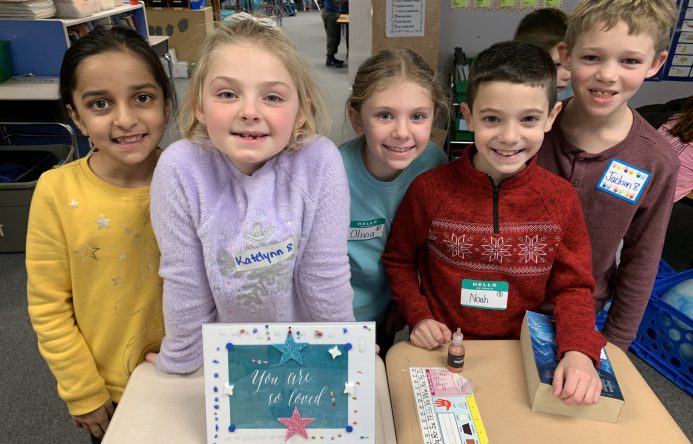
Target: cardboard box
x=186, y=28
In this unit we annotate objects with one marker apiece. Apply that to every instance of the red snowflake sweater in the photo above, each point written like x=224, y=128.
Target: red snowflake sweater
x=528, y=231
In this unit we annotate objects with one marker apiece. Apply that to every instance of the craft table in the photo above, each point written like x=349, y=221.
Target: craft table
x=496, y=370
x=161, y=408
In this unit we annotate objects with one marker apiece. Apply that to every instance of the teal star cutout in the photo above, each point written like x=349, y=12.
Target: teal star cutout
x=290, y=350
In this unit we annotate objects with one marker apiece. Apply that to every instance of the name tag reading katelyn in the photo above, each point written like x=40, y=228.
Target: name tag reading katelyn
x=491, y=295
x=264, y=256
x=623, y=181
x=366, y=229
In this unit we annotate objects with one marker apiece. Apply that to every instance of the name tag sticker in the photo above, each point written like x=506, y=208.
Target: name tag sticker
x=623, y=181
x=491, y=295
x=360, y=230
x=264, y=256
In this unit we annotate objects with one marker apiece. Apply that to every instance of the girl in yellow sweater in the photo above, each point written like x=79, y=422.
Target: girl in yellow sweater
x=92, y=260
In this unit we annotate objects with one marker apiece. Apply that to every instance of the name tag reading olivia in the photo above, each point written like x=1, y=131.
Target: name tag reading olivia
x=491, y=295
x=366, y=229
x=264, y=256
x=623, y=181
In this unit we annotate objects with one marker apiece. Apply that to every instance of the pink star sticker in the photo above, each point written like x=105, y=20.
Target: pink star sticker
x=295, y=424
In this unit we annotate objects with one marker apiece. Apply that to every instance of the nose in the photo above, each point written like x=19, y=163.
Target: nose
x=125, y=117
x=249, y=111
x=401, y=129
x=509, y=133
x=606, y=72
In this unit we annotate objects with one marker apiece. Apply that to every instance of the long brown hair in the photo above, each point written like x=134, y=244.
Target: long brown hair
x=683, y=129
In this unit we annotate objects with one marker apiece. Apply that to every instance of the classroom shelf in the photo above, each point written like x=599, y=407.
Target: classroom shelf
x=37, y=45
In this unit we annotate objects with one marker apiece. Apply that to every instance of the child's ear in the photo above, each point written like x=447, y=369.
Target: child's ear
x=552, y=116
x=356, y=122
x=467, y=114
x=199, y=114
x=564, y=55
x=657, y=63
x=75, y=118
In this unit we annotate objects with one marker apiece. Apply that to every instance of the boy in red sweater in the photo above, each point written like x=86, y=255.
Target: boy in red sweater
x=479, y=241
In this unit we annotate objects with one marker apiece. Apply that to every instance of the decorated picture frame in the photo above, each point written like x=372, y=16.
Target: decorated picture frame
x=290, y=382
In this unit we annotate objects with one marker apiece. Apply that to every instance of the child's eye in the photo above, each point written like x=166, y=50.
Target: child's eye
x=531, y=119
x=631, y=61
x=273, y=98
x=98, y=105
x=227, y=95
x=384, y=115
x=143, y=98
x=418, y=117
x=590, y=58
x=490, y=119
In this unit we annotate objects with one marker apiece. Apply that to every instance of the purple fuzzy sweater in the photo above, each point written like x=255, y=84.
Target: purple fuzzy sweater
x=271, y=247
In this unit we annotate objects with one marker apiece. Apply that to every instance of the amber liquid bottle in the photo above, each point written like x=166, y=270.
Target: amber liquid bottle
x=456, y=352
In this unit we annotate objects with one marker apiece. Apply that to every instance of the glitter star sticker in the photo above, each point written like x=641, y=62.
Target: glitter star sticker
x=102, y=222
x=349, y=387
x=334, y=351
x=295, y=425
x=290, y=350
x=74, y=204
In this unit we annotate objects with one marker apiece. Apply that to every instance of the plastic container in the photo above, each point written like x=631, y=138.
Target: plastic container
x=665, y=336
x=456, y=352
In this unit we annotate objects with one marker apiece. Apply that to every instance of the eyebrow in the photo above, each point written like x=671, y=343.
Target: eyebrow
x=103, y=92
x=264, y=84
x=497, y=111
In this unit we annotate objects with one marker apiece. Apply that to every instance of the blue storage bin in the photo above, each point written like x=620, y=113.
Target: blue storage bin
x=665, y=336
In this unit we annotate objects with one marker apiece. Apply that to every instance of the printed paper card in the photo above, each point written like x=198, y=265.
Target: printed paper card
x=290, y=382
x=448, y=413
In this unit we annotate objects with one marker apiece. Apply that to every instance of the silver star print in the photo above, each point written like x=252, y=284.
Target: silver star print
x=102, y=222
x=74, y=204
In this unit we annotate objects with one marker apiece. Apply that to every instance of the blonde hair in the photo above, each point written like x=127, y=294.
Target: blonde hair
x=252, y=32
x=379, y=71
x=656, y=17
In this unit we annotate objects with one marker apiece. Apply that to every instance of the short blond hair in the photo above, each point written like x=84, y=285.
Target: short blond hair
x=655, y=17
x=252, y=32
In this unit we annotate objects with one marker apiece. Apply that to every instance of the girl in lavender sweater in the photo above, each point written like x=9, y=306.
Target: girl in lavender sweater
x=251, y=210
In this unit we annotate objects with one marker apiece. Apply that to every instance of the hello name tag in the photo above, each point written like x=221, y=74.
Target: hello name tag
x=264, y=256
x=491, y=295
x=623, y=181
x=360, y=230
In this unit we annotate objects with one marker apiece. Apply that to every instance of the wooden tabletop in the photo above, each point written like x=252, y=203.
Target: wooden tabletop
x=495, y=368
x=161, y=408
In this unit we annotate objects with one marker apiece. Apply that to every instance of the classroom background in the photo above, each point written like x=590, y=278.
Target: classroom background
x=32, y=411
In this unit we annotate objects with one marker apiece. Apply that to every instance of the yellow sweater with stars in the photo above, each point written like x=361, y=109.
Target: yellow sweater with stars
x=93, y=289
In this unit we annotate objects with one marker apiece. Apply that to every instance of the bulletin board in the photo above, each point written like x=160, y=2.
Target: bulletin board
x=429, y=13
x=679, y=64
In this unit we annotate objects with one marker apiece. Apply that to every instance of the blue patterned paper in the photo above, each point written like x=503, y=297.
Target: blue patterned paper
x=543, y=334
x=265, y=390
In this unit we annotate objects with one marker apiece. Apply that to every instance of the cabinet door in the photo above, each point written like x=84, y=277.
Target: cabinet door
x=36, y=46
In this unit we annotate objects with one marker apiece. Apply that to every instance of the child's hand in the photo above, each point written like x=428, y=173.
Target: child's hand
x=429, y=334
x=96, y=422
x=150, y=357
x=576, y=381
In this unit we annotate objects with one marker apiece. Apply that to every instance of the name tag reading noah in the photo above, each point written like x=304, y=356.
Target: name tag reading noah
x=623, y=181
x=366, y=229
x=491, y=295
x=264, y=256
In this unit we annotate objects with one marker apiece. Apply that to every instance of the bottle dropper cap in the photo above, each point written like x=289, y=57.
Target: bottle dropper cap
x=457, y=337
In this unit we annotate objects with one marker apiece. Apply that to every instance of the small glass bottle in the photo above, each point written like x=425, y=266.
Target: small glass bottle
x=456, y=352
